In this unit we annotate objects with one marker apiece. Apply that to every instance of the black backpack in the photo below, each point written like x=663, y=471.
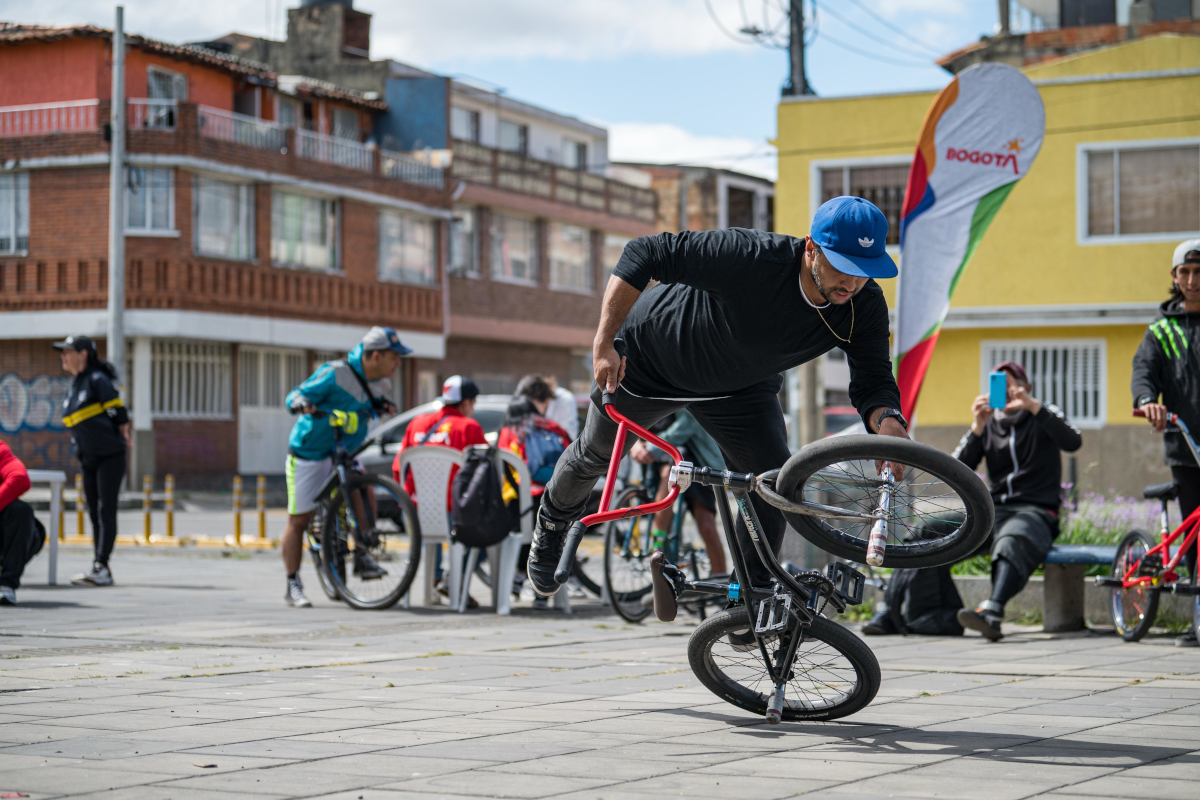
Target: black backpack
x=924, y=601
x=478, y=512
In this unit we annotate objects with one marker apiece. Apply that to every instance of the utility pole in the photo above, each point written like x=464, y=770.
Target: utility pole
x=797, y=82
x=115, y=346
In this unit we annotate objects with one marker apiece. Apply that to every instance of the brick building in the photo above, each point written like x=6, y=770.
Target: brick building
x=264, y=234
x=537, y=221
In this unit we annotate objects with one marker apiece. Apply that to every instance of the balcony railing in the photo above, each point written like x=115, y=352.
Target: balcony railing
x=151, y=114
x=406, y=168
x=516, y=173
x=334, y=150
x=241, y=129
x=79, y=116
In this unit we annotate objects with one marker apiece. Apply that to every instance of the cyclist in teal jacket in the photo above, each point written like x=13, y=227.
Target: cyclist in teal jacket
x=356, y=384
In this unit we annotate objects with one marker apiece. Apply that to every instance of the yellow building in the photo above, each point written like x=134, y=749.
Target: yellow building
x=1073, y=267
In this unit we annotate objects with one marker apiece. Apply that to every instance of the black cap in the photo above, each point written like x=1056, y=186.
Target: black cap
x=80, y=343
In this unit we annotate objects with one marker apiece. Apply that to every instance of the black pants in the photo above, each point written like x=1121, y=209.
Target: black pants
x=20, y=541
x=748, y=427
x=1188, y=481
x=101, y=486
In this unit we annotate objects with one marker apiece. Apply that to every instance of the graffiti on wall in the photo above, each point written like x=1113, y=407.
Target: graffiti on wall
x=32, y=405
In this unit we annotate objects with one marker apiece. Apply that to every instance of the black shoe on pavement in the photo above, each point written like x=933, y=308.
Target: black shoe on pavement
x=982, y=621
x=1187, y=640
x=880, y=625
x=366, y=568
x=549, y=537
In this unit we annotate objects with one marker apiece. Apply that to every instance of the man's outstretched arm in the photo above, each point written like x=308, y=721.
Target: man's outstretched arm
x=608, y=367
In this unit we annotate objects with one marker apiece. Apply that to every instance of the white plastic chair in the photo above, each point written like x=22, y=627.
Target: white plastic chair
x=431, y=466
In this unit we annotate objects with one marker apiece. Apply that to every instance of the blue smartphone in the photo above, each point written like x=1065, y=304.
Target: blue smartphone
x=998, y=389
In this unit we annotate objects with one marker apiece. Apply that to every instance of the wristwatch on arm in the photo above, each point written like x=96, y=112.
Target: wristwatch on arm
x=891, y=412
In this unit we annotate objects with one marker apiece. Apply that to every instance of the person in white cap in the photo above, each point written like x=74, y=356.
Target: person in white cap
x=1166, y=366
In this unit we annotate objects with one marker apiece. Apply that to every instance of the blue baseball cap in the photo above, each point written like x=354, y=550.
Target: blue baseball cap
x=384, y=339
x=852, y=233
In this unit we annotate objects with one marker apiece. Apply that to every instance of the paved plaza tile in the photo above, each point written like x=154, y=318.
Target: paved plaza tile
x=190, y=680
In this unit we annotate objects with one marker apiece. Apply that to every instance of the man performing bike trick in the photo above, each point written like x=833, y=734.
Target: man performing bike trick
x=355, y=384
x=732, y=310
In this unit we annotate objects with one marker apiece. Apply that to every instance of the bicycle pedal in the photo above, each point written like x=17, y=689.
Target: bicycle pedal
x=773, y=614
x=848, y=582
x=1151, y=564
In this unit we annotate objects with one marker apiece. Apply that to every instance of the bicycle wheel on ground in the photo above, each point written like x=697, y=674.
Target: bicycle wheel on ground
x=1133, y=610
x=834, y=675
x=1195, y=600
x=312, y=540
x=376, y=568
x=940, y=511
x=580, y=574
x=627, y=559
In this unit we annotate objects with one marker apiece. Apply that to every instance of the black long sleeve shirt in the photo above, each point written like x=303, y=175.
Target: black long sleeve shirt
x=1166, y=365
x=1024, y=464
x=94, y=414
x=728, y=313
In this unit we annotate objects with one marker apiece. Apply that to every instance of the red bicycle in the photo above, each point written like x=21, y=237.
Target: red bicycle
x=1142, y=570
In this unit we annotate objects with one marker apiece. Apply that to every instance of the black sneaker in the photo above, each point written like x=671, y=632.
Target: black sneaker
x=366, y=568
x=1187, y=640
x=549, y=537
x=880, y=625
x=982, y=621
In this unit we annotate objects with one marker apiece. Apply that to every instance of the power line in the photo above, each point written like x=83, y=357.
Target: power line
x=903, y=50
x=873, y=56
x=895, y=29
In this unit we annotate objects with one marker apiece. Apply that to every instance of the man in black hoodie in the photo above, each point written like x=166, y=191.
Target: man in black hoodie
x=1022, y=444
x=1166, y=365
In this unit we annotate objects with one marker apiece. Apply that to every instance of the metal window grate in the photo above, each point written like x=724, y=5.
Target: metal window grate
x=1070, y=373
x=191, y=380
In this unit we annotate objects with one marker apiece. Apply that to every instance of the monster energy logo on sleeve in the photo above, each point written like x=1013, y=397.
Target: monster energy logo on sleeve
x=1170, y=337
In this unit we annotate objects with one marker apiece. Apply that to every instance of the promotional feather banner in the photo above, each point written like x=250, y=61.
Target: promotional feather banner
x=979, y=138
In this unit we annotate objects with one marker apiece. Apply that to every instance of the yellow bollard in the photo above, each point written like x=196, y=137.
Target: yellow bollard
x=262, y=506
x=147, y=490
x=79, y=501
x=169, y=505
x=237, y=510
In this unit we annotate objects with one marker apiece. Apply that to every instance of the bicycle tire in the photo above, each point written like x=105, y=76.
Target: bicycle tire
x=1133, y=610
x=312, y=540
x=407, y=538
x=626, y=601
x=805, y=701
x=1195, y=603
x=842, y=467
x=585, y=580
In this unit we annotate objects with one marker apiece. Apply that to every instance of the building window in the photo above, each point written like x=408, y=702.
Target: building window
x=290, y=113
x=514, y=249
x=165, y=85
x=1143, y=191
x=883, y=185
x=224, y=219
x=14, y=213
x=346, y=124
x=407, y=249
x=266, y=376
x=149, y=201
x=304, y=231
x=514, y=138
x=464, y=242
x=574, y=154
x=191, y=380
x=570, y=258
x=1070, y=373
x=610, y=253
x=464, y=124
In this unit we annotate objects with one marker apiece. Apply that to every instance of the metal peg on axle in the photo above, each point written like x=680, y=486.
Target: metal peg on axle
x=147, y=493
x=261, y=503
x=169, y=505
x=79, y=501
x=237, y=509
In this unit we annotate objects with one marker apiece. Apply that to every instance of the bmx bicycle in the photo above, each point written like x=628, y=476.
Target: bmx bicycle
x=1143, y=570
x=365, y=558
x=863, y=498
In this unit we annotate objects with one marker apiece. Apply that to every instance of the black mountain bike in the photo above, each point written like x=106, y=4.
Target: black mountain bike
x=365, y=558
x=864, y=498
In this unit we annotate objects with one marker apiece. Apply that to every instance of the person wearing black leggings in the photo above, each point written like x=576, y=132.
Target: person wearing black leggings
x=99, y=425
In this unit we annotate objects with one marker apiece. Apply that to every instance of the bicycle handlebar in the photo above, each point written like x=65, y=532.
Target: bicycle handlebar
x=1171, y=418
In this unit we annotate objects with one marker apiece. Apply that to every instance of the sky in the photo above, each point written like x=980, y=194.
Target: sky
x=672, y=80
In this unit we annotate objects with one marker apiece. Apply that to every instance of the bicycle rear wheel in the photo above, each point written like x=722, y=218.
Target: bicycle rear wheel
x=940, y=511
x=1133, y=610
x=627, y=559
x=312, y=539
x=376, y=568
x=834, y=675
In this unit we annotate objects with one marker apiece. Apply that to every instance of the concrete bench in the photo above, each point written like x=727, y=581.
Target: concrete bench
x=1062, y=586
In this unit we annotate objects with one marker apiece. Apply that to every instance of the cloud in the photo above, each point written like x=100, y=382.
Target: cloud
x=663, y=143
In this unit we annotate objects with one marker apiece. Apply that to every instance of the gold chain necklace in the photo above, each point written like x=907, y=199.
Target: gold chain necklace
x=831, y=330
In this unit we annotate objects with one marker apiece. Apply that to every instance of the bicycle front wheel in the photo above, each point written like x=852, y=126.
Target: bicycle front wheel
x=627, y=559
x=1133, y=610
x=834, y=674
x=312, y=539
x=939, y=511
x=374, y=568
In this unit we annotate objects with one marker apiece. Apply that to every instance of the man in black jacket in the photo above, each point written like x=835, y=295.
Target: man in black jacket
x=732, y=310
x=1022, y=445
x=1166, y=365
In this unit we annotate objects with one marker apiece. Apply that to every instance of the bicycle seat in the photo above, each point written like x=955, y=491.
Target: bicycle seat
x=1161, y=491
